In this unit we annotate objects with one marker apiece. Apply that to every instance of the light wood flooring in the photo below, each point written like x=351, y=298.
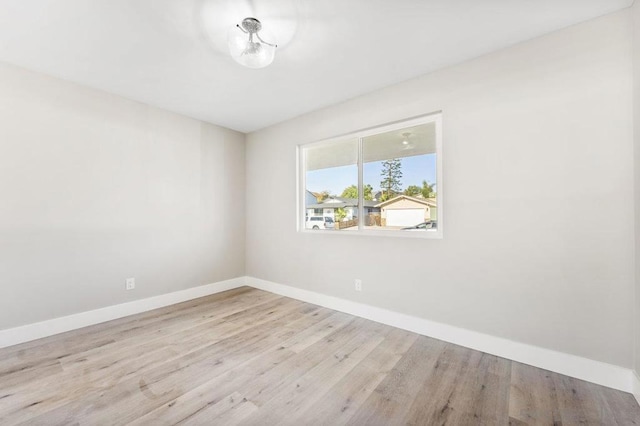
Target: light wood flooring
x=251, y=357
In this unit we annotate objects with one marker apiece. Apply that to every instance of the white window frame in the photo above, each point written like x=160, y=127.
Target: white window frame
x=436, y=118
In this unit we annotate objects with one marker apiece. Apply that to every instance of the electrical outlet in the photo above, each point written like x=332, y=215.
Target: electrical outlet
x=130, y=283
x=358, y=284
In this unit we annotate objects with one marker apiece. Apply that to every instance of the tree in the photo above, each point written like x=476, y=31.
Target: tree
x=352, y=192
x=427, y=190
x=339, y=214
x=368, y=192
x=413, y=190
x=323, y=195
x=391, y=175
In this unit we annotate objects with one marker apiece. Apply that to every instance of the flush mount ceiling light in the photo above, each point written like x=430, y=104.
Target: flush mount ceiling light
x=406, y=143
x=247, y=47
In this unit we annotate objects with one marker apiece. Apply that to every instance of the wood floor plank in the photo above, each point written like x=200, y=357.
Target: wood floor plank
x=480, y=396
x=618, y=403
x=317, y=332
x=274, y=368
x=88, y=363
x=135, y=396
x=262, y=374
x=338, y=405
x=578, y=404
x=301, y=393
x=38, y=358
x=57, y=345
x=251, y=357
x=136, y=379
x=442, y=387
x=192, y=404
x=240, y=409
x=264, y=385
x=533, y=396
x=388, y=404
x=84, y=357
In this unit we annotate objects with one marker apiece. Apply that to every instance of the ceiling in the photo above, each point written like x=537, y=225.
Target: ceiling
x=172, y=53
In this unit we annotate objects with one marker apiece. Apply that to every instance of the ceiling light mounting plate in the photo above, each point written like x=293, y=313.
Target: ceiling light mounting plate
x=251, y=25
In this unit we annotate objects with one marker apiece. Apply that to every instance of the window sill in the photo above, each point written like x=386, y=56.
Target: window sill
x=425, y=235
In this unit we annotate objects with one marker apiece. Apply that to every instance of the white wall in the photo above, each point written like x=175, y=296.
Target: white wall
x=636, y=117
x=537, y=138
x=95, y=188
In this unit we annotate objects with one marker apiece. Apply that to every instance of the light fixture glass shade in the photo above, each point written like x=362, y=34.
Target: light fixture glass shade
x=406, y=142
x=247, y=45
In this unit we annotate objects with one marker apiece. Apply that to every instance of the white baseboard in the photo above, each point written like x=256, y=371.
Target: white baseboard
x=571, y=365
x=574, y=366
x=636, y=386
x=25, y=333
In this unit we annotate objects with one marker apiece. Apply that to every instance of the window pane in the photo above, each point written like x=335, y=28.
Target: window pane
x=399, y=173
x=331, y=176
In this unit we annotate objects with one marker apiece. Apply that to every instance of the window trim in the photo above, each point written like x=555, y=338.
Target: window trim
x=435, y=117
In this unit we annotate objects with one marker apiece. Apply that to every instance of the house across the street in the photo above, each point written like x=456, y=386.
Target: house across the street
x=329, y=206
x=407, y=211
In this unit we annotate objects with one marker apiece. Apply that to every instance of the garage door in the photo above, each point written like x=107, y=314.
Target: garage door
x=405, y=217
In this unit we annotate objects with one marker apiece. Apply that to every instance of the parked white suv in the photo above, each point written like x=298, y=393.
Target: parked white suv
x=319, y=222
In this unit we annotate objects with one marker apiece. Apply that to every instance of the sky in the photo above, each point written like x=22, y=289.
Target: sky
x=336, y=179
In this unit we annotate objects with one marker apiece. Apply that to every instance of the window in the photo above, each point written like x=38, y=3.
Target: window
x=381, y=181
